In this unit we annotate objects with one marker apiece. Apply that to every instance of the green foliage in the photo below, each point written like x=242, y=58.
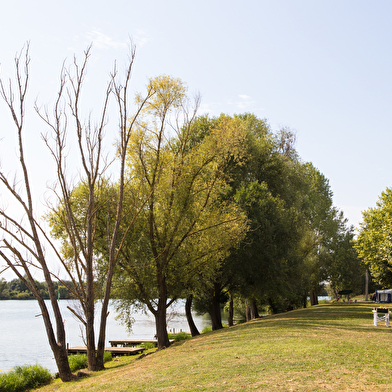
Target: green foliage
x=185, y=228
x=23, y=295
x=347, y=270
x=107, y=356
x=209, y=329
x=296, y=238
x=23, y=378
x=374, y=240
x=147, y=345
x=79, y=361
x=16, y=289
x=178, y=337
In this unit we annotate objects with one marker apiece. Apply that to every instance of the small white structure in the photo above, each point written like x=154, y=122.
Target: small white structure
x=384, y=296
x=380, y=317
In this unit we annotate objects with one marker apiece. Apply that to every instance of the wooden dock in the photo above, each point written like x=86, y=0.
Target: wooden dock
x=133, y=342
x=114, y=350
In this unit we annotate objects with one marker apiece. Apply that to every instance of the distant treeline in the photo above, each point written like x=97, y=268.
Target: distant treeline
x=16, y=289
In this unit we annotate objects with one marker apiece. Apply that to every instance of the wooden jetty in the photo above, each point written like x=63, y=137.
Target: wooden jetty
x=133, y=342
x=114, y=350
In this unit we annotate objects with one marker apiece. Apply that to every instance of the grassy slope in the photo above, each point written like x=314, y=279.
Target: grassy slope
x=328, y=347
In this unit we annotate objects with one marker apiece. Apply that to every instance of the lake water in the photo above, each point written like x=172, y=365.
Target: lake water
x=23, y=338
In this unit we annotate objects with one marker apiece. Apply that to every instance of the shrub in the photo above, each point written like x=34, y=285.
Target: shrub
x=147, y=345
x=179, y=336
x=79, y=361
x=206, y=329
x=23, y=378
x=107, y=356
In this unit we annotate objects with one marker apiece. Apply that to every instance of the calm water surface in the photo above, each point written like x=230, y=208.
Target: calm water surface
x=23, y=339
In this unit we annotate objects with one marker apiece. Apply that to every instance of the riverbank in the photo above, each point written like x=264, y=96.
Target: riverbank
x=326, y=347
x=23, y=338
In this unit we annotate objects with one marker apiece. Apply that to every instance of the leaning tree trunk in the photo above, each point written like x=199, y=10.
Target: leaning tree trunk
x=104, y=317
x=59, y=348
x=189, y=317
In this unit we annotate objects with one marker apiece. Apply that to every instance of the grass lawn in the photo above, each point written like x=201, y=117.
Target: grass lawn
x=331, y=347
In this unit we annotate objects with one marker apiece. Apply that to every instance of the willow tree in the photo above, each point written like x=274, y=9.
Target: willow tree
x=24, y=242
x=185, y=228
x=262, y=185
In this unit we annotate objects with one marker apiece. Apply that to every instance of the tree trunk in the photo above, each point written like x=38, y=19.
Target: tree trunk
x=160, y=322
x=272, y=305
x=104, y=316
x=215, y=311
x=313, y=298
x=90, y=338
x=366, y=284
x=188, y=312
x=231, y=311
x=59, y=349
x=102, y=333
x=247, y=311
x=254, y=311
x=89, y=314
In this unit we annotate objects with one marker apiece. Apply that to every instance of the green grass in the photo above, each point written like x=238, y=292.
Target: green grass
x=23, y=378
x=331, y=347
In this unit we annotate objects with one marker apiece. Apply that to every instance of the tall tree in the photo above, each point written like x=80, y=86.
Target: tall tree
x=374, y=240
x=346, y=269
x=185, y=228
x=81, y=236
x=23, y=241
x=263, y=185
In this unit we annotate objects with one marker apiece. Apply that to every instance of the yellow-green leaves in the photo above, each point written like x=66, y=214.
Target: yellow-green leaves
x=186, y=227
x=168, y=93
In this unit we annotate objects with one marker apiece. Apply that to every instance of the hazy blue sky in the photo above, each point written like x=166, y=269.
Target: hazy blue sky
x=322, y=68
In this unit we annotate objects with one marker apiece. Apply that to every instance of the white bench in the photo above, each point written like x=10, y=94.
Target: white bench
x=380, y=317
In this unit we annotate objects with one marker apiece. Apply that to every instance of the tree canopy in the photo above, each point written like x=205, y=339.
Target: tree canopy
x=374, y=240
x=288, y=250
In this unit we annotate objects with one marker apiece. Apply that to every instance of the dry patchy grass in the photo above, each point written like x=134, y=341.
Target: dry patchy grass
x=324, y=348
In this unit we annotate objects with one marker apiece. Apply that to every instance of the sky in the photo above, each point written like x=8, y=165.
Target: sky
x=322, y=68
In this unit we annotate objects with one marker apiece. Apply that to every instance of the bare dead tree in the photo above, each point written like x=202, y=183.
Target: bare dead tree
x=286, y=141
x=22, y=243
x=66, y=118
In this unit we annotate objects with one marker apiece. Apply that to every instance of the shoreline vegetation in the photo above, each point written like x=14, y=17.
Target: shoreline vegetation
x=15, y=289
x=332, y=346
